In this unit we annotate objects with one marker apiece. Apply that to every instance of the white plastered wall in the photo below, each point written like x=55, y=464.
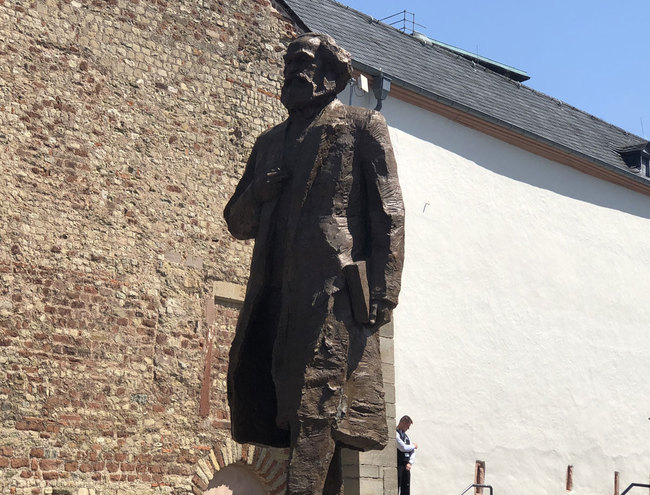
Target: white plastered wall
x=522, y=337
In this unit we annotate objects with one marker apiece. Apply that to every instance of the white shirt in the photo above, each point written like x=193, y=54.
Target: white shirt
x=404, y=447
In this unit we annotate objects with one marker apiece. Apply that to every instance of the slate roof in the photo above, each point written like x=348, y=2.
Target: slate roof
x=449, y=78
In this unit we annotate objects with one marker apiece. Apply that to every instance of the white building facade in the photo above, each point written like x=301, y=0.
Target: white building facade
x=522, y=333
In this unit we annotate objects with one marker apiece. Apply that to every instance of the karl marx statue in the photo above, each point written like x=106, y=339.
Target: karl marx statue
x=321, y=198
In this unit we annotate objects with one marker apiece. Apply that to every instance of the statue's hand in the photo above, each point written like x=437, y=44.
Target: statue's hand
x=380, y=312
x=269, y=185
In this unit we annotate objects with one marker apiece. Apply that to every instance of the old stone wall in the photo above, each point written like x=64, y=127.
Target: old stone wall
x=124, y=127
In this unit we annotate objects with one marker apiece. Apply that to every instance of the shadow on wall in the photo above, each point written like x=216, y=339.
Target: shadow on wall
x=521, y=166
x=235, y=480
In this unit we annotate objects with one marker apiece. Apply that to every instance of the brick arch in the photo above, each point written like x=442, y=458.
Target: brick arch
x=269, y=465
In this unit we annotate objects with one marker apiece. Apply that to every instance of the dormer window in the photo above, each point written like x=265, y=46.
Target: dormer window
x=637, y=158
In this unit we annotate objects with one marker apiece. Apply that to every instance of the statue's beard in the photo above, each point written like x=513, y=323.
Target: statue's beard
x=300, y=92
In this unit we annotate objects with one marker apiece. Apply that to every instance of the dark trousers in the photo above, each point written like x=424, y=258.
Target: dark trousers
x=403, y=480
x=314, y=460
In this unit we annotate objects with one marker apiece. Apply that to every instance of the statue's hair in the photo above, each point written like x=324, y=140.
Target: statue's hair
x=338, y=59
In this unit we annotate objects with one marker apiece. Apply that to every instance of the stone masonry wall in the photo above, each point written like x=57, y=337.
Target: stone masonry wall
x=124, y=127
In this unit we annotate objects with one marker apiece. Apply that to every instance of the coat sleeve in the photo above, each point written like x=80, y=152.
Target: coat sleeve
x=385, y=211
x=242, y=212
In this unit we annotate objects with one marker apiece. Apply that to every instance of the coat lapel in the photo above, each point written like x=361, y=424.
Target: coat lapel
x=315, y=148
x=273, y=157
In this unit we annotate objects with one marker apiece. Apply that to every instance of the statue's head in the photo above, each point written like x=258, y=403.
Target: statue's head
x=315, y=69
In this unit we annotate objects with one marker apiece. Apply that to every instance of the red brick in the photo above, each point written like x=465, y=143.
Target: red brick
x=19, y=462
x=220, y=460
x=180, y=469
x=71, y=466
x=112, y=467
x=199, y=482
x=7, y=451
x=70, y=418
x=52, y=475
x=156, y=468
x=51, y=428
x=36, y=452
x=49, y=464
x=85, y=467
x=31, y=424
x=26, y=474
x=121, y=457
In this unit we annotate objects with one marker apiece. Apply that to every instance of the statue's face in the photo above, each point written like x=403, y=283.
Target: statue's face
x=304, y=74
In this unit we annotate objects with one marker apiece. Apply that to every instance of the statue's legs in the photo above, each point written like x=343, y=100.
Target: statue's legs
x=315, y=460
x=334, y=480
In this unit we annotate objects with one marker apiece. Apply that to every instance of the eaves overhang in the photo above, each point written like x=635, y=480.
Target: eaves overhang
x=628, y=178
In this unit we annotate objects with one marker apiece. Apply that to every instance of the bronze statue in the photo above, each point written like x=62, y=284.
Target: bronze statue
x=321, y=198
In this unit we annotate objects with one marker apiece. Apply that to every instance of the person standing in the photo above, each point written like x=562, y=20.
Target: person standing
x=405, y=456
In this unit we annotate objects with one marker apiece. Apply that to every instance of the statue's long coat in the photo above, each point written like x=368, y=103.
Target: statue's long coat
x=345, y=205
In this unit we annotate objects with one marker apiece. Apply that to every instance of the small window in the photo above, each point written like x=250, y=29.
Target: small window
x=645, y=165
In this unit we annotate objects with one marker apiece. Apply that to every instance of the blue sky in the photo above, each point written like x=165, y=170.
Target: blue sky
x=590, y=54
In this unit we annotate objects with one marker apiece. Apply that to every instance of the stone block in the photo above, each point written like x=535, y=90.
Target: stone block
x=389, y=395
x=387, y=331
x=386, y=347
x=370, y=471
x=384, y=457
x=173, y=257
x=388, y=373
x=371, y=486
x=194, y=262
x=390, y=481
x=226, y=291
x=352, y=486
x=390, y=415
